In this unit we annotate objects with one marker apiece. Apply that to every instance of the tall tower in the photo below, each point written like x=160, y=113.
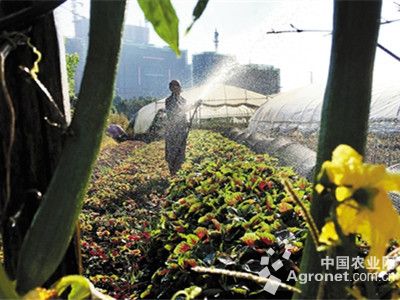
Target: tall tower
x=74, y=10
x=216, y=41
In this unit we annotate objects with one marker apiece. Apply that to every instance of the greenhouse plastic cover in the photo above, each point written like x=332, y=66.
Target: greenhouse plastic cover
x=219, y=100
x=301, y=109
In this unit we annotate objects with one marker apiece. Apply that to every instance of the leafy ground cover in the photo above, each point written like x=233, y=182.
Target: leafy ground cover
x=119, y=213
x=226, y=208
x=142, y=232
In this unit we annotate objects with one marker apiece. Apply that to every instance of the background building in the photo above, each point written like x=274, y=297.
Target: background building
x=146, y=70
x=263, y=79
x=143, y=70
x=208, y=63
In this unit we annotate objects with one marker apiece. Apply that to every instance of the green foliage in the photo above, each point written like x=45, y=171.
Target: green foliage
x=162, y=16
x=221, y=125
x=107, y=142
x=129, y=107
x=72, y=63
x=120, y=210
x=344, y=118
x=197, y=12
x=227, y=221
x=225, y=209
x=7, y=288
x=80, y=287
x=118, y=118
x=53, y=225
x=189, y=293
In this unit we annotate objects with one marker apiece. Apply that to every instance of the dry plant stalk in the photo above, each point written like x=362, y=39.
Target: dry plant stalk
x=258, y=279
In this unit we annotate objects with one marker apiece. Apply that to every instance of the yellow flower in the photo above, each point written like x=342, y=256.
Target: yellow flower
x=328, y=235
x=364, y=206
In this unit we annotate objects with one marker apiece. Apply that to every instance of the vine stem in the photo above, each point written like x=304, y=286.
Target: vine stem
x=53, y=225
x=309, y=219
x=243, y=275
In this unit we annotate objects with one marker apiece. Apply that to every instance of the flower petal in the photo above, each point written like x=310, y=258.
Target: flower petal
x=328, y=234
x=343, y=193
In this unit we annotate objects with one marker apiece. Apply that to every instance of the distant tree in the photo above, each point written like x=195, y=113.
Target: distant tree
x=129, y=107
x=72, y=63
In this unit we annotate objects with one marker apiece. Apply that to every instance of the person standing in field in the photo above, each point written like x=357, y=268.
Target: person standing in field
x=177, y=127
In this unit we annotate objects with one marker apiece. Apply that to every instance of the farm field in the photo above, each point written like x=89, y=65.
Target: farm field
x=199, y=150
x=142, y=232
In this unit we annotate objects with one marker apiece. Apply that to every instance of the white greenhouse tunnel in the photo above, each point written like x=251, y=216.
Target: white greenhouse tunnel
x=218, y=101
x=300, y=109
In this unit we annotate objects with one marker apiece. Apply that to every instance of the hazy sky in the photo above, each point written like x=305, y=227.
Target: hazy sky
x=242, y=27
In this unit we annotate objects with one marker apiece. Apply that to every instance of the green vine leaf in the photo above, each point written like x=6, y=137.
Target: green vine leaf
x=53, y=225
x=80, y=288
x=161, y=14
x=7, y=287
x=197, y=12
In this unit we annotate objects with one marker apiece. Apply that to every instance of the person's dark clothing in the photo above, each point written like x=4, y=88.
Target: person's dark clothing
x=176, y=132
x=117, y=132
